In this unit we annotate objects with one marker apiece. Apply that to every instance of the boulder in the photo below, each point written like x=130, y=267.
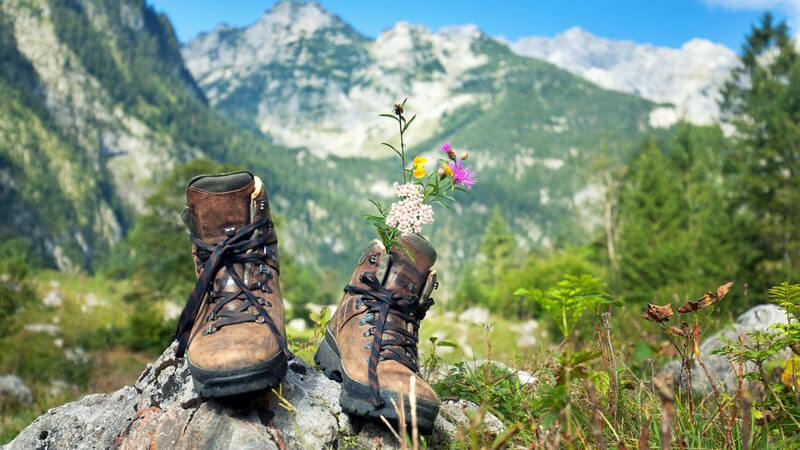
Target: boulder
x=163, y=411
x=12, y=387
x=756, y=318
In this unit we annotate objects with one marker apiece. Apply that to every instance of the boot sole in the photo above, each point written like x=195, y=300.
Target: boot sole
x=355, y=397
x=226, y=383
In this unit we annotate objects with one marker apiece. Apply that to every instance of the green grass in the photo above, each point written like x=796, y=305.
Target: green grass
x=42, y=359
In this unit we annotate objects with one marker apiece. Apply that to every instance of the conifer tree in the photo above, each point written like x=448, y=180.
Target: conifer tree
x=762, y=102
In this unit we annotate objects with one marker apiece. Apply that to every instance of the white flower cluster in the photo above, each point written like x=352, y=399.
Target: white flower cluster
x=409, y=214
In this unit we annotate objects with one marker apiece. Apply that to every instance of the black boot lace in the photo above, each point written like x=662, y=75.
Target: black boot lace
x=232, y=250
x=391, y=341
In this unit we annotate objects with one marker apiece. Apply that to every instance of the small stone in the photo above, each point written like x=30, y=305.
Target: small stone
x=474, y=315
x=12, y=386
x=297, y=325
x=53, y=299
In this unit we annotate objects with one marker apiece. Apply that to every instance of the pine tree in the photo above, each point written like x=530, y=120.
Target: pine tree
x=653, y=219
x=680, y=231
x=482, y=282
x=762, y=101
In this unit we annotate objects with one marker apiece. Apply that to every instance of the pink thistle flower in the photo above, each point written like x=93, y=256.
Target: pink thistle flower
x=447, y=149
x=462, y=175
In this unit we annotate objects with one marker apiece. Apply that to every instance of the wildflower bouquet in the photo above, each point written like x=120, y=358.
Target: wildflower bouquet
x=419, y=189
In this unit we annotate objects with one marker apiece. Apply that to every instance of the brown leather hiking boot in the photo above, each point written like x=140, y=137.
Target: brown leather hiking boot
x=232, y=328
x=370, y=343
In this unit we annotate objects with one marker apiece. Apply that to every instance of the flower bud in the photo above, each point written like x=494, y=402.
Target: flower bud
x=442, y=173
x=452, y=155
x=465, y=156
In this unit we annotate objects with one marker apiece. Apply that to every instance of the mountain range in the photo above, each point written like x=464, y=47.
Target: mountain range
x=100, y=100
x=688, y=78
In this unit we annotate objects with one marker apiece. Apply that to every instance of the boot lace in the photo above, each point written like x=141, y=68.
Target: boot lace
x=233, y=250
x=391, y=341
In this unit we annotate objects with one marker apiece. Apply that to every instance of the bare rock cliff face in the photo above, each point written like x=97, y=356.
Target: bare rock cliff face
x=163, y=411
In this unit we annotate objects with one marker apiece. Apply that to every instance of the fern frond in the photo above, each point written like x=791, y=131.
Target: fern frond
x=787, y=296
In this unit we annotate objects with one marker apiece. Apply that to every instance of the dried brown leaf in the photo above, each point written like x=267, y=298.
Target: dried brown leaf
x=708, y=299
x=678, y=331
x=656, y=313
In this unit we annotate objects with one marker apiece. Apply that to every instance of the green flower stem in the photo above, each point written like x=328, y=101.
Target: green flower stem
x=402, y=147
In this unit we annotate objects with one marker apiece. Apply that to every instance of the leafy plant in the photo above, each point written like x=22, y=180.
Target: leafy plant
x=565, y=303
x=781, y=403
x=15, y=287
x=430, y=360
x=569, y=299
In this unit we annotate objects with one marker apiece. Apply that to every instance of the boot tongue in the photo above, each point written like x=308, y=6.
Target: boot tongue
x=406, y=275
x=219, y=204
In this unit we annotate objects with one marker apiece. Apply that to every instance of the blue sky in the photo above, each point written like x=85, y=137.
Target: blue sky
x=661, y=22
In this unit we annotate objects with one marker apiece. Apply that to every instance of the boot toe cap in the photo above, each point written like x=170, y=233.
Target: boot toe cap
x=234, y=347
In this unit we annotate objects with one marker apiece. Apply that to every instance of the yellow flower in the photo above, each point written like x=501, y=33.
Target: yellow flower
x=419, y=161
x=419, y=172
x=448, y=170
x=791, y=372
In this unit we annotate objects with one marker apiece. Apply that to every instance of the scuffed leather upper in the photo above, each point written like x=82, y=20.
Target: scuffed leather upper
x=404, y=277
x=245, y=344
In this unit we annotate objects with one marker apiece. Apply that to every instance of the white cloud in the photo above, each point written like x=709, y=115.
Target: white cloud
x=790, y=7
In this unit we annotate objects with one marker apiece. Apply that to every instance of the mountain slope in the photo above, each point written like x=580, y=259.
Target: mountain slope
x=96, y=106
x=689, y=77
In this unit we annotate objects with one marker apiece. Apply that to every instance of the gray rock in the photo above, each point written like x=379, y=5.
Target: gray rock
x=163, y=411
x=12, y=386
x=455, y=416
x=757, y=318
x=93, y=422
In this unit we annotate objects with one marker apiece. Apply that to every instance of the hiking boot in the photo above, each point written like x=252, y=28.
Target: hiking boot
x=370, y=343
x=232, y=327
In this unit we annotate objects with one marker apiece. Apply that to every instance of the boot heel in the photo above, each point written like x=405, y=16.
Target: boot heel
x=327, y=358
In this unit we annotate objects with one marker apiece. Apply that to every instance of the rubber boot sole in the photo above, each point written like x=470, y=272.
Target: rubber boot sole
x=227, y=383
x=355, y=397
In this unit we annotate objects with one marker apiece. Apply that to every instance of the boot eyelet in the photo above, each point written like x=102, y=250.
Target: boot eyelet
x=266, y=288
x=373, y=259
x=262, y=268
x=436, y=285
x=260, y=319
x=268, y=304
x=209, y=330
x=362, y=322
x=359, y=302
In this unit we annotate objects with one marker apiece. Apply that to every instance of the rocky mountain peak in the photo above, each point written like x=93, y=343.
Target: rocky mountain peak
x=299, y=17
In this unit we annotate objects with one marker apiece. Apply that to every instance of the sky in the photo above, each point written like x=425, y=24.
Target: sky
x=667, y=23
